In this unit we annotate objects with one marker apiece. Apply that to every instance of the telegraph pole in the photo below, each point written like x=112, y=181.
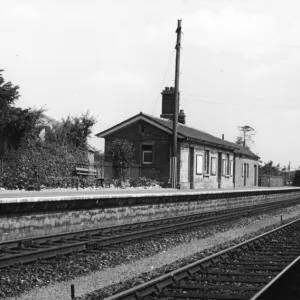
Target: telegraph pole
x=176, y=106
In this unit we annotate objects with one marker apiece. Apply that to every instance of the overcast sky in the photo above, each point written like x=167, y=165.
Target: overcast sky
x=240, y=63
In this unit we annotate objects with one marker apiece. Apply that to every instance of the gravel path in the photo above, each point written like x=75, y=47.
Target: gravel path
x=141, y=265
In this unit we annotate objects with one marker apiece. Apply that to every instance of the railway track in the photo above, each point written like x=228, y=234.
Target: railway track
x=29, y=250
x=265, y=267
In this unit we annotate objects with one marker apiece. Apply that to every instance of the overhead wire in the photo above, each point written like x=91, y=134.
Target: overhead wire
x=163, y=82
x=235, y=104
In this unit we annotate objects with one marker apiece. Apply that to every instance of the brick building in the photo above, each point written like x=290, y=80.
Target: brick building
x=204, y=161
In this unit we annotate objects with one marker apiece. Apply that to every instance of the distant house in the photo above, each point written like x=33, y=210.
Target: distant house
x=205, y=161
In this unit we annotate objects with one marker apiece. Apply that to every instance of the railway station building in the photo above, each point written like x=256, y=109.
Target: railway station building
x=204, y=161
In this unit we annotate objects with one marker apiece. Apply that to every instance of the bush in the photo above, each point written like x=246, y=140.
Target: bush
x=34, y=165
x=143, y=182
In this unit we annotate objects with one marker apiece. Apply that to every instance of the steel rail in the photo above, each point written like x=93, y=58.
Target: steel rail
x=84, y=240
x=276, y=285
x=155, y=286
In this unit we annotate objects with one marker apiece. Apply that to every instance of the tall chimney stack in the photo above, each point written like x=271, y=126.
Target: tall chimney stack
x=223, y=136
x=168, y=102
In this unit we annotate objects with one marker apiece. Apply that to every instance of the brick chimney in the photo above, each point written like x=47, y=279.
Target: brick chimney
x=181, y=117
x=168, y=102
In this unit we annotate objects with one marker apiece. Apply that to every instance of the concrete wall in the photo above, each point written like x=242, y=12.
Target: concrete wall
x=39, y=223
x=271, y=181
x=249, y=178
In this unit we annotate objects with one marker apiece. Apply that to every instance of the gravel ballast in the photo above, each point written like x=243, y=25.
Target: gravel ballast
x=114, y=267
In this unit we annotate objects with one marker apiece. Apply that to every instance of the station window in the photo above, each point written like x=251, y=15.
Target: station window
x=213, y=166
x=231, y=167
x=224, y=167
x=227, y=164
x=147, y=154
x=206, y=162
x=247, y=170
x=199, y=164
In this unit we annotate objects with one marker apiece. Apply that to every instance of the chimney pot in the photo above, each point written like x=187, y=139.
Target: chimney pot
x=181, y=117
x=223, y=136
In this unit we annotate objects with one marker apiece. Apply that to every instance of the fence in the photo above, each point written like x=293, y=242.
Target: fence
x=270, y=181
x=113, y=172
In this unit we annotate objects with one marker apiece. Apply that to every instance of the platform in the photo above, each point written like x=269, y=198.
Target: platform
x=38, y=213
x=57, y=195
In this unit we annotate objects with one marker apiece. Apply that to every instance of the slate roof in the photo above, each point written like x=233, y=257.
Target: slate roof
x=184, y=132
x=247, y=152
x=194, y=134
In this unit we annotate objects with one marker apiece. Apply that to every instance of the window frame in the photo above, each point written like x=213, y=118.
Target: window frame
x=206, y=162
x=227, y=164
x=148, y=151
x=224, y=166
x=213, y=172
x=199, y=157
x=231, y=168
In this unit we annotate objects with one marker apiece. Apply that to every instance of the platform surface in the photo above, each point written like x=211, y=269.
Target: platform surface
x=55, y=195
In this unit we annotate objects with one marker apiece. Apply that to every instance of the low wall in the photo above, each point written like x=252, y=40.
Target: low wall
x=38, y=217
x=271, y=181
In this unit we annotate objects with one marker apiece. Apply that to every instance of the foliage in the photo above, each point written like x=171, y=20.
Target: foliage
x=99, y=156
x=270, y=169
x=33, y=159
x=135, y=182
x=16, y=122
x=245, y=136
x=35, y=164
x=121, y=153
x=143, y=182
x=72, y=131
x=9, y=93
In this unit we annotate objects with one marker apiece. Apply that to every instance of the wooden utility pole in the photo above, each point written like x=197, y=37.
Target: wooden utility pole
x=176, y=106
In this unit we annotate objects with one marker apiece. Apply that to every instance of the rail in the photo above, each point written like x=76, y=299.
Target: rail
x=28, y=250
x=239, y=272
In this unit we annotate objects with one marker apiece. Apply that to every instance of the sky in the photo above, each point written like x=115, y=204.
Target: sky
x=240, y=63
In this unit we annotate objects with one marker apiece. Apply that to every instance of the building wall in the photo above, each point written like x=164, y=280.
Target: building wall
x=139, y=133
x=184, y=163
x=239, y=176
x=188, y=174
x=227, y=178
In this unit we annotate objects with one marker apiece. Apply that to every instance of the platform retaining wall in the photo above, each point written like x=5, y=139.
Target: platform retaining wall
x=16, y=225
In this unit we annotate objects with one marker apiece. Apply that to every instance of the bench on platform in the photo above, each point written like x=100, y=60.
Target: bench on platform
x=89, y=173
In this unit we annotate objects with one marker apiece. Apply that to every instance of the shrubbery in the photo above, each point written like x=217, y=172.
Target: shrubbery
x=135, y=182
x=35, y=164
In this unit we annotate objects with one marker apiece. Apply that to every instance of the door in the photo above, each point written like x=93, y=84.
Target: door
x=245, y=174
x=219, y=169
x=255, y=174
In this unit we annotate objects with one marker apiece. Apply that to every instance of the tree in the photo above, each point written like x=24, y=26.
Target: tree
x=270, y=169
x=245, y=137
x=15, y=122
x=9, y=93
x=120, y=153
x=73, y=131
